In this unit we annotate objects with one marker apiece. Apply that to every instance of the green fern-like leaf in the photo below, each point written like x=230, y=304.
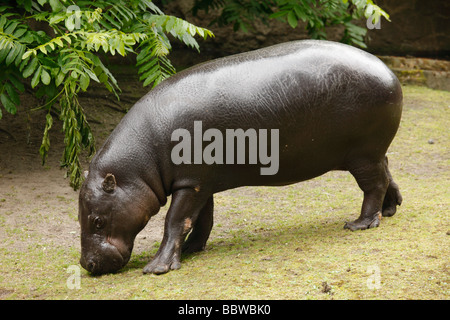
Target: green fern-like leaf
x=153, y=64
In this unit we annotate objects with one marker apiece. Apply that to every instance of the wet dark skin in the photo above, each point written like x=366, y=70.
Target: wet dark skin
x=335, y=106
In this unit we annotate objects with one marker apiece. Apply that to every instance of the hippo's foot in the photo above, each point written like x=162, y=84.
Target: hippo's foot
x=392, y=199
x=192, y=245
x=364, y=223
x=162, y=263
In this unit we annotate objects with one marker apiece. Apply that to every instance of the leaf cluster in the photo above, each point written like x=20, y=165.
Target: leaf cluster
x=316, y=14
x=62, y=58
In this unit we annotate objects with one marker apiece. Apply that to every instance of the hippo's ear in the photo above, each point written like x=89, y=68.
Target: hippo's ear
x=109, y=184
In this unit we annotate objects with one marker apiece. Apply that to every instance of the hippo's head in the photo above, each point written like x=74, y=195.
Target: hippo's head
x=111, y=214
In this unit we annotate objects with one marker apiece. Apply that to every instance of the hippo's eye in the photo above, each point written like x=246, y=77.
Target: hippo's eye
x=99, y=222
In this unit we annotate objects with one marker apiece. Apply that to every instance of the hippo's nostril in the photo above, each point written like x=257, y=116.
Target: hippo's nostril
x=90, y=266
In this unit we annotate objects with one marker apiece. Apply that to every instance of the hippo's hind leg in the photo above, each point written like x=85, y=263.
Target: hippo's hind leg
x=197, y=239
x=372, y=178
x=392, y=197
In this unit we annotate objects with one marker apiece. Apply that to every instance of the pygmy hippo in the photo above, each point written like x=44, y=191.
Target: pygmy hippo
x=273, y=116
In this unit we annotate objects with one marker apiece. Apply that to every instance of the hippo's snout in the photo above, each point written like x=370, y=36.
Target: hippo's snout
x=90, y=266
x=107, y=260
x=102, y=265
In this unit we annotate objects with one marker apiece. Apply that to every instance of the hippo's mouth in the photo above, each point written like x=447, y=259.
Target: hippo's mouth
x=122, y=248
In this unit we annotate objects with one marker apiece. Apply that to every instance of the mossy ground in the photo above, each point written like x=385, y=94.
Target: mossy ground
x=267, y=243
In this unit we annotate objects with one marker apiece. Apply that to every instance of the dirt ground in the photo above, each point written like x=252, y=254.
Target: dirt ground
x=38, y=208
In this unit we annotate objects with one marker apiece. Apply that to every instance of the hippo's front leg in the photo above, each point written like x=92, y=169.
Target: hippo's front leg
x=184, y=210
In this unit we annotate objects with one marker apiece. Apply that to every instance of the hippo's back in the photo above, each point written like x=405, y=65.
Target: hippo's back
x=284, y=82
x=329, y=101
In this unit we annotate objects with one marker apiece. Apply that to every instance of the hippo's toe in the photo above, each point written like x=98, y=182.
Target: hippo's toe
x=159, y=266
x=363, y=224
